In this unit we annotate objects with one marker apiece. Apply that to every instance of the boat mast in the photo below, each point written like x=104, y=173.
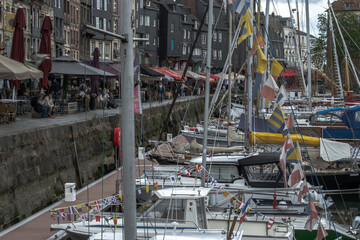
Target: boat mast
x=127, y=120
x=207, y=87
x=266, y=40
x=230, y=62
x=347, y=54
x=248, y=122
x=308, y=53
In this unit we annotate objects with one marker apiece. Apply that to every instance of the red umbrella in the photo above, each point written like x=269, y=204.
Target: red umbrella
x=45, y=48
x=18, y=44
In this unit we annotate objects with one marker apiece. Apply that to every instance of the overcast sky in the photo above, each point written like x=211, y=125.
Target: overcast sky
x=281, y=7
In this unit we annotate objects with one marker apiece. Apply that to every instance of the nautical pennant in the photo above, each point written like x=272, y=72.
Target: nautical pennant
x=321, y=233
x=275, y=69
x=281, y=96
x=270, y=89
x=303, y=189
x=296, y=175
x=187, y=172
x=113, y=199
x=241, y=6
x=244, y=210
x=270, y=223
x=277, y=119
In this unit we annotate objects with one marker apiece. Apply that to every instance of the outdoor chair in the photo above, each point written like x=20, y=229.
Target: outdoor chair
x=11, y=111
x=3, y=112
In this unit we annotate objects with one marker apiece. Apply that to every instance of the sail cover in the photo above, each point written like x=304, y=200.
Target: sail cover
x=332, y=151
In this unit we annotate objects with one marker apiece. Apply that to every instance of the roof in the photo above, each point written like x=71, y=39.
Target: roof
x=168, y=72
x=261, y=158
x=182, y=193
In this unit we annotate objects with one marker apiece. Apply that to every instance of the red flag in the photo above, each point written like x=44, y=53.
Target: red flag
x=296, y=175
x=187, y=172
x=196, y=168
x=155, y=185
x=290, y=121
x=283, y=162
x=310, y=223
x=304, y=189
x=269, y=89
x=97, y=205
x=321, y=233
x=97, y=218
x=270, y=223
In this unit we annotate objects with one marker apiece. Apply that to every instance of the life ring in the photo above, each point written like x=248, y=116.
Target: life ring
x=117, y=135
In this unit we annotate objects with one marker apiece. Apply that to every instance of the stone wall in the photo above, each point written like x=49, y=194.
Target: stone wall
x=36, y=164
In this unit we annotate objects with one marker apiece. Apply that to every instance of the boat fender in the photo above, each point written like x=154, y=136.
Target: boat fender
x=117, y=136
x=282, y=205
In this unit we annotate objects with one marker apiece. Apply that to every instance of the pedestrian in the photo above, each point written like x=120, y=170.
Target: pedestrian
x=182, y=89
x=161, y=91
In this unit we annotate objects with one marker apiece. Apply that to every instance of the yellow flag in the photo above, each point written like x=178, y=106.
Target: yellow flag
x=147, y=188
x=226, y=193
x=262, y=61
x=246, y=17
x=121, y=196
x=276, y=68
x=248, y=29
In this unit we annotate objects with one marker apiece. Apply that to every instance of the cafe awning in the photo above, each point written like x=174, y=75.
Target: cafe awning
x=150, y=72
x=193, y=75
x=169, y=72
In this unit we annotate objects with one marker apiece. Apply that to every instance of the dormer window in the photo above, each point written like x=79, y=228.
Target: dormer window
x=185, y=18
x=148, y=3
x=347, y=6
x=196, y=25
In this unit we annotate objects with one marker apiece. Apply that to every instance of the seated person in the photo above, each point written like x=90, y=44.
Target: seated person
x=41, y=106
x=51, y=107
x=107, y=98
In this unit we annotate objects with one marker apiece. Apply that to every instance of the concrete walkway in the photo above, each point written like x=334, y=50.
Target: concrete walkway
x=25, y=123
x=37, y=226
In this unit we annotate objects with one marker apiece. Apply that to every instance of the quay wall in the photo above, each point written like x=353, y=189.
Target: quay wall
x=36, y=164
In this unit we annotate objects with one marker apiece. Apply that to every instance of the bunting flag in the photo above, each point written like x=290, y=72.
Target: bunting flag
x=88, y=206
x=213, y=182
x=120, y=196
x=172, y=179
x=115, y=221
x=139, y=191
x=294, y=153
x=303, y=189
x=69, y=217
x=217, y=191
x=275, y=69
x=179, y=176
x=83, y=220
x=226, y=193
x=113, y=198
x=58, y=218
x=288, y=144
x=244, y=210
x=105, y=201
x=156, y=185
x=248, y=29
x=97, y=204
x=270, y=223
x=281, y=96
x=313, y=215
x=79, y=208
x=207, y=176
x=277, y=120
x=240, y=6
x=97, y=218
x=147, y=188
x=261, y=61
x=257, y=83
x=187, y=172
x=321, y=233
x=196, y=168
x=296, y=175
x=62, y=212
x=289, y=125
x=258, y=42
x=240, y=206
x=270, y=89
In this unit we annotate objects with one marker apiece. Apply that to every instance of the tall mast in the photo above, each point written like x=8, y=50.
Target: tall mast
x=266, y=40
x=230, y=62
x=127, y=120
x=308, y=52
x=249, y=87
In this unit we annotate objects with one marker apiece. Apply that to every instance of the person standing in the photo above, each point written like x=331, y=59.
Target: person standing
x=161, y=92
x=182, y=89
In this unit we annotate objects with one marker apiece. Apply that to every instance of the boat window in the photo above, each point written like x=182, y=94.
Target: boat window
x=174, y=210
x=357, y=116
x=224, y=174
x=262, y=173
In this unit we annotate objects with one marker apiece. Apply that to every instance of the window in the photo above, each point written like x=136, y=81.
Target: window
x=189, y=33
x=224, y=174
x=115, y=26
x=184, y=49
x=100, y=48
x=203, y=38
x=154, y=42
x=98, y=4
x=184, y=34
x=196, y=25
x=148, y=37
x=115, y=5
x=97, y=22
x=105, y=5
x=137, y=6
x=154, y=25
x=215, y=54
x=215, y=36
x=172, y=45
x=172, y=27
x=107, y=50
x=189, y=49
x=141, y=20
x=147, y=20
x=197, y=52
x=204, y=54
x=104, y=23
x=185, y=18
x=141, y=3
x=220, y=55
x=347, y=6
x=220, y=36
x=137, y=23
x=148, y=3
